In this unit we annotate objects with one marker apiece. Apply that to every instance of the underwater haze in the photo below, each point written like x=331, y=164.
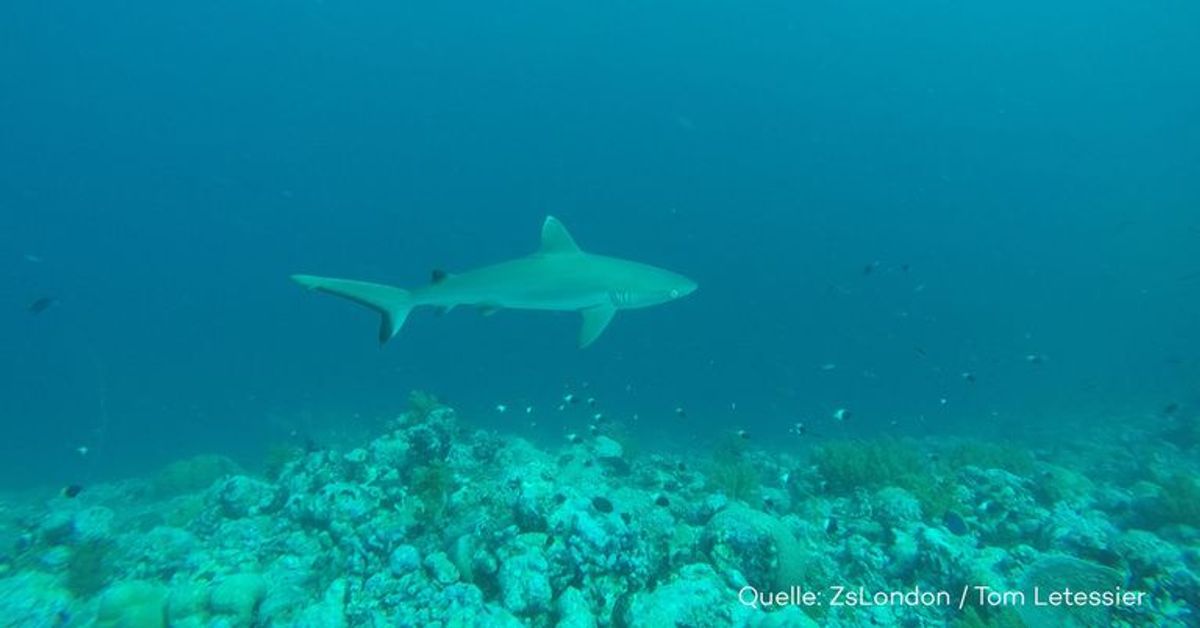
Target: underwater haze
x=913, y=225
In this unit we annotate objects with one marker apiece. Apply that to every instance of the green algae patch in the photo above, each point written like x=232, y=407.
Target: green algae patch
x=736, y=479
x=849, y=466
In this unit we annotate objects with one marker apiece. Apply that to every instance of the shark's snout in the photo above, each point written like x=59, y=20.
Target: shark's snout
x=685, y=287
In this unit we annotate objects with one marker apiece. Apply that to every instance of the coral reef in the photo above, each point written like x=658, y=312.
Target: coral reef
x=429, y=523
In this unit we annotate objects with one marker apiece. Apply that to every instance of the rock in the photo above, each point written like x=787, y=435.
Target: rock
x=240, y=496
x=606, y=448
x=524, y=585
x=696, y=597
x=32, y=600
x=132, y=604
x=330, y=612
x=186, y=599
x=238, y=595
x=754, y=544
x=896, y=508
x=404, y=559
x=573, y=611
x=440, y=568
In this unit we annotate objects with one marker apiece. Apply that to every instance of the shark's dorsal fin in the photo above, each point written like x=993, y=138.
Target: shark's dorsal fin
x=595, y=319
x=556, y=239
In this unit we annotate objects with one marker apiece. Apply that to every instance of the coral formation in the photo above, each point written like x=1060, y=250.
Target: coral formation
x=432, y=524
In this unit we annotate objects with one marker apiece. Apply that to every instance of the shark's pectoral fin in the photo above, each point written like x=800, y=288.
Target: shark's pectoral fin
x=556, y=238
x=595, y=319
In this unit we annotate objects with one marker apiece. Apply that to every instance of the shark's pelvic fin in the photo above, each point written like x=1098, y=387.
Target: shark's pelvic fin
x=393, y=304
x=556, y=239
x=595, y=319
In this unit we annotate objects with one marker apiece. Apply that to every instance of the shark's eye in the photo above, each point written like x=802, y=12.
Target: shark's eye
x=674, y=294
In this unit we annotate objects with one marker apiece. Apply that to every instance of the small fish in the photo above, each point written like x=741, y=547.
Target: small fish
x=968, y=377
x=82, y=450
x=71, y=491
x=870, y=268
x=573, y=438
x=591, y=401
x=921, y=353
x=1170, y=409
x=501, y=408
x=831, y=525
x=955, y=523
x=662, y=501
x=799, y=429
x=1035, y=358
x=841, y=414
x=599, y=416
x=743, y=434
x=528, y=409
x=42, y=304
x=680, y=412
x=570, y=398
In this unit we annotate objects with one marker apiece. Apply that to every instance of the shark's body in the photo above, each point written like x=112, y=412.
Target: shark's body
x=559, y=276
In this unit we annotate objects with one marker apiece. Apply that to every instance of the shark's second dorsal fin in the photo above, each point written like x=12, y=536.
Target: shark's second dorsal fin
x=556, y=239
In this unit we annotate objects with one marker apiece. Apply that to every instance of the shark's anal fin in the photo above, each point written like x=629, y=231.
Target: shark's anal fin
x=595, y=319
x=556, y=239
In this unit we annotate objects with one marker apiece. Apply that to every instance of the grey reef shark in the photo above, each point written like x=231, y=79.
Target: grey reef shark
x=559, y=276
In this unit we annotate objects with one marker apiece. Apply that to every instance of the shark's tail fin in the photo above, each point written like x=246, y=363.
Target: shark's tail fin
x=393, y=304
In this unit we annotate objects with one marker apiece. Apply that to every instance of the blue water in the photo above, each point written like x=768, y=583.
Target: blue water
x=1020, y=178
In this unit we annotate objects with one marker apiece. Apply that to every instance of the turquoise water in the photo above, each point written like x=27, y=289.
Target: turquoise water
x=945, y=332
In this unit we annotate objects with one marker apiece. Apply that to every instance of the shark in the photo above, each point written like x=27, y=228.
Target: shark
x=559, y=276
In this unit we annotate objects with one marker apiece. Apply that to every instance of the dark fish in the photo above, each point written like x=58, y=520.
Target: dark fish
x=602, y=504
x=921, y=352
x=71, y=491
x=1171, y=409
x=969, y=377
x=870, y=268
x=831, y=525
x=42, y=304
x=954, y=523
x=662, y=501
